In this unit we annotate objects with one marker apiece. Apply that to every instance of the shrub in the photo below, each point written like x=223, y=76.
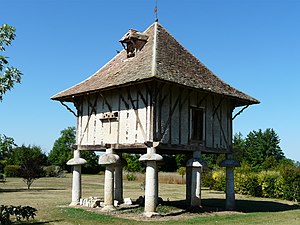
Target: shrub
x=247, y=183
x=133, y=163
x=207, y=179
x=270, y=184
x=219, y=180
x=130, y=177
x=181, y=171
x=53, y=171
x=283, y=183
x=291, y=183
x=20, y=213
x=12, y=170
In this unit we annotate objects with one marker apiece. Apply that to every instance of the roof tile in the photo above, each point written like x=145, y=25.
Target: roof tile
x=161, y=57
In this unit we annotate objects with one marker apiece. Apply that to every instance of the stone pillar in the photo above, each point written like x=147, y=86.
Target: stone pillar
x=230, y=163
x=151, y=184
x=109, y=160
x=76, y=162
x=119, y=179
x=193, y=180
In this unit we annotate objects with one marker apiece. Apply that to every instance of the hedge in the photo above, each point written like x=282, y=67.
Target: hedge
x=283, y=184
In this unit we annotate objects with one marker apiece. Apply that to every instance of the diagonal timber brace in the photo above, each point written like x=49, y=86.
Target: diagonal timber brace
x=239, y=112
x=68, y=108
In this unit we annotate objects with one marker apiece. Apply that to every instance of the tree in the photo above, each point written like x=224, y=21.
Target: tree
x=92, y=166
x=261, y=149
x=133, y=163
x=6, y=147
x=11, y=75
x=238, y=145
x=62, y=149
x=31, y=161
x=169, y=163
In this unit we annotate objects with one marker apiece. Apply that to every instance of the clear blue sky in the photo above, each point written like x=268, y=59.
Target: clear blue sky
x=253, y=45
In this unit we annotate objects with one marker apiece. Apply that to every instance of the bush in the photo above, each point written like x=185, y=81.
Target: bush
x=247, y=183
x=12, y=170
x=291, y=183
x=207, y=179
x=283, y=183
x=53, y=171
x=271, y=184
x=219, y=180
x=133, y=163
x=130, y=177
x=20, y=213
x=181, y=171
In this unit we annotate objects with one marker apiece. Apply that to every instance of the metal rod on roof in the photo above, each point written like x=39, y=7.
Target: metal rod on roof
x=155, y=11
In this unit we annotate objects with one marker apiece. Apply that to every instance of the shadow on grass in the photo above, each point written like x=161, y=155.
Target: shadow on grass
x=30, y=190
x=38, y=223
x=245, y=206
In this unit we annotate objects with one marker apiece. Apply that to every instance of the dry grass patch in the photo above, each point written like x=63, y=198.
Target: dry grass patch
x=51, y=196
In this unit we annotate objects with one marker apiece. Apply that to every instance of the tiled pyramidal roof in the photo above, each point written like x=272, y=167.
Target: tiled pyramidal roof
x=163, y=58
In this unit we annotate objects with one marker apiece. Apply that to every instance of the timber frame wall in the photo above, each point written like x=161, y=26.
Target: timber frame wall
x=152, y=111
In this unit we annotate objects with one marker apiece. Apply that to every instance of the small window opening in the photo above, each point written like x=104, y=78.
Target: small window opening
x=197, y=133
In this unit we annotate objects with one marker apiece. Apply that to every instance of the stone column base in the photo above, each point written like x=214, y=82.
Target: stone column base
x=230, y=163
x=108, y=208
x=151, y=184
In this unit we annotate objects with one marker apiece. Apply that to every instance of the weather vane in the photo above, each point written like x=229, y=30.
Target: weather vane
x=155, y=11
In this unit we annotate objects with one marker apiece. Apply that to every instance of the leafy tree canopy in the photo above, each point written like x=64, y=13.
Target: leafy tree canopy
x=62, y=149
x=6, y=146
x=9, y=75
x=260, y=149
x=133, y=163
x=6, y=149
x=31, y=161
x=92, y=166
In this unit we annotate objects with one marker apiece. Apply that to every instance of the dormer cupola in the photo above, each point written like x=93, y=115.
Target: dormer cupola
x=133, y=41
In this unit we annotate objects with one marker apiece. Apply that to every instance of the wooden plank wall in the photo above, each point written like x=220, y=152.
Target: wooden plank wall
x=169, y=121
x=132, y=125
x=174, y=124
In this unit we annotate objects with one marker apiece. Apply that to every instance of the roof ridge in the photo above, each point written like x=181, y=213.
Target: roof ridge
x=154, y=51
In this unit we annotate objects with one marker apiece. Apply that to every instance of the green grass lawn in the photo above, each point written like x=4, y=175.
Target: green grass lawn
x=51, y=197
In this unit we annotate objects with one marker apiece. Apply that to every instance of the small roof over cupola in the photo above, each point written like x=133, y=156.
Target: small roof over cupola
x=154, y=54
x=133, y=41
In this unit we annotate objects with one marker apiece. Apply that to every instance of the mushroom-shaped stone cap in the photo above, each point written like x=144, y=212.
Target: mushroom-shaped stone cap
x=108, y=159
x=76, y=161
x=151, y=157
x=230, y=163
x=196, y=163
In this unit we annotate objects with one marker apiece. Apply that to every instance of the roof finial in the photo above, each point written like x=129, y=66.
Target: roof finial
x=155, y=11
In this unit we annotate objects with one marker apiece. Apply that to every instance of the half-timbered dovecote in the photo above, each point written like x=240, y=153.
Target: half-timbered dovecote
x=161, y=94
x=155, y=97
